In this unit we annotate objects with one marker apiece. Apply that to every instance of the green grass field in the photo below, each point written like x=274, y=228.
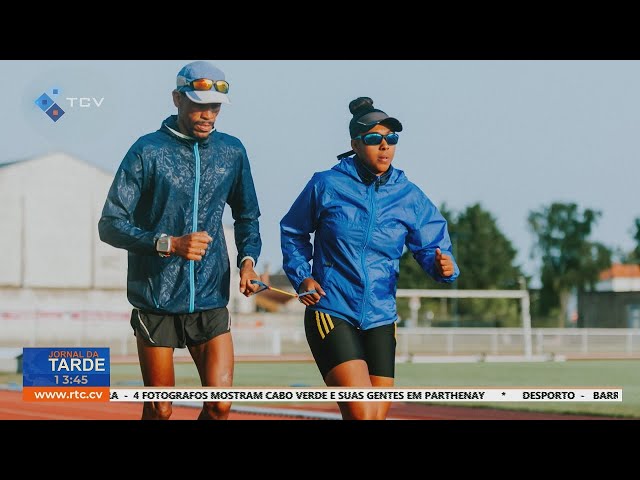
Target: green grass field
x=584, y=373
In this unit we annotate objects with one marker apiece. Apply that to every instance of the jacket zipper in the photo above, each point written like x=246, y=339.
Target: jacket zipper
x=194, y=229
x=372, y=209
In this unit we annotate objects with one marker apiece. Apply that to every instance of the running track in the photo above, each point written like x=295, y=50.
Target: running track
x=13, y=408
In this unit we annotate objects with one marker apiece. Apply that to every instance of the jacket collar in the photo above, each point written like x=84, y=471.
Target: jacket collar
x=348, y=166
x=170, y=126
x=368, y=177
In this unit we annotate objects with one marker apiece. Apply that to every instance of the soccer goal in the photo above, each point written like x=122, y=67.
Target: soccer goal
x=484, y=340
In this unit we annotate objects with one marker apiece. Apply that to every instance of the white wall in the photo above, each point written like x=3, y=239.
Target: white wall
x=10, y=238
x=49, y=212
x=49, y=217
x=619, y=285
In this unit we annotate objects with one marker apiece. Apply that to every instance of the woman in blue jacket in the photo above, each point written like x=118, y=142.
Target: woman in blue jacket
x=363, y=212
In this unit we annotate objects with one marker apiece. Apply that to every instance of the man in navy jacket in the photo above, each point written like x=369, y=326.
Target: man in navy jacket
x=165, y=208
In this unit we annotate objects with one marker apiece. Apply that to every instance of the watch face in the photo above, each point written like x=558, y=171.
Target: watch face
x=163, y=244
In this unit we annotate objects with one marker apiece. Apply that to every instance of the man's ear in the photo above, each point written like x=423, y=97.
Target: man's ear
x=354, y=145
x=176, y=98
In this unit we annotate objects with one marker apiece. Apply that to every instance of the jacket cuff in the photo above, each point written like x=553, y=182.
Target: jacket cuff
x=250, y=258
x=299, y=281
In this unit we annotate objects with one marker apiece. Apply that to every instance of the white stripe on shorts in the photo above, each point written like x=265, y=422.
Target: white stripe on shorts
x=144, y=326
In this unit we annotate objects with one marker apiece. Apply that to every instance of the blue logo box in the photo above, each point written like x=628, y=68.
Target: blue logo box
x=66, y=367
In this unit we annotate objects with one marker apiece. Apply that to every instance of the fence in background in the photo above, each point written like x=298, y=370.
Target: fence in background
x=274, y=335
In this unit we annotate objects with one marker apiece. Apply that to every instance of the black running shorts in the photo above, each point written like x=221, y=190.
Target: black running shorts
x=179, y=331
x=334, y=341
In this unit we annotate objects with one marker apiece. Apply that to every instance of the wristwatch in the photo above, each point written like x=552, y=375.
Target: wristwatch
x=163, y=245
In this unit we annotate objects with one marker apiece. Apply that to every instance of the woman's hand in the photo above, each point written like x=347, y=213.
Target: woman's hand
x=444, y=264
x=310, y=284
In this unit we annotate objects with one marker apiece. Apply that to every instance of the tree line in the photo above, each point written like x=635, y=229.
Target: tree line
x=569, y=260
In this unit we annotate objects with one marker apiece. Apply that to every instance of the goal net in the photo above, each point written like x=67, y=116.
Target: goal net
x=414, y=341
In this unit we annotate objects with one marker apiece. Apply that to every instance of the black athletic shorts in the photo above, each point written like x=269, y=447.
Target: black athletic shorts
x=334, y=341
x=179, y=331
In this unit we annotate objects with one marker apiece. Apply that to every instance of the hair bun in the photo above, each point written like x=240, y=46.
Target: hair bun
x=360, y=106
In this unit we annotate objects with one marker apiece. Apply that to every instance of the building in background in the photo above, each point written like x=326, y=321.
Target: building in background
x=615, y=303
x=52, y=260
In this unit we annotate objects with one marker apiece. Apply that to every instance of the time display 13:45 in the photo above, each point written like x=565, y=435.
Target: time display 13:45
x=71, y=379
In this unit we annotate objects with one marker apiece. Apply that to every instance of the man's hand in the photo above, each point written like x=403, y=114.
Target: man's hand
x=247, y=273
x=310, y=284
x=192, y=246
x=444, y=264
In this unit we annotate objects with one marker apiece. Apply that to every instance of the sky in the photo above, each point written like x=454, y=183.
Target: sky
x=511, y=135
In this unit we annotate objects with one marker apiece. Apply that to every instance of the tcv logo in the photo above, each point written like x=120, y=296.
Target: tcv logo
x=47, y=103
